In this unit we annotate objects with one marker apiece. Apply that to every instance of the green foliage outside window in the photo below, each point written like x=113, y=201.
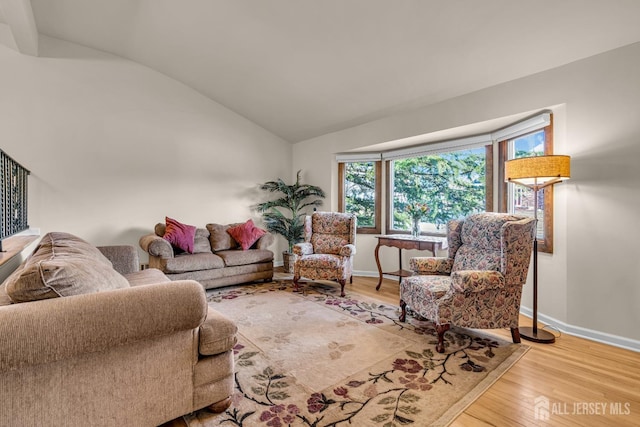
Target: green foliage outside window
x=360, y=185
x=451, y=184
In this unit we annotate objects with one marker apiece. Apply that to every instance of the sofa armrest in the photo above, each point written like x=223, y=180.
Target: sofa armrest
x=156, y=246
x=61, y=328
x=124, y=258
x=265, y=241
x=476, y=280
x=217, y=334
x=431, y=265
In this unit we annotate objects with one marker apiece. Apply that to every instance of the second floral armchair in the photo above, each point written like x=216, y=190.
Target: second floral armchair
x=328, y=248
x=479, y=284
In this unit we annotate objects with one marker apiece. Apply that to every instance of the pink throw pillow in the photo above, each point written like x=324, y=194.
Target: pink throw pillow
x=180, y=235
x=246, y=234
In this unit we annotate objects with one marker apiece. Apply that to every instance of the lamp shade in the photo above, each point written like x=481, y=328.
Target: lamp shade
x=538, y=171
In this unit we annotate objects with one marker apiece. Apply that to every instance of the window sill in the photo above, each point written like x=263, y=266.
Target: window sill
x=14, y=245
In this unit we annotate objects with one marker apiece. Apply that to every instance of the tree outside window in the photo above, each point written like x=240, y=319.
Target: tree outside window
x=453, y=185
x=360, y=193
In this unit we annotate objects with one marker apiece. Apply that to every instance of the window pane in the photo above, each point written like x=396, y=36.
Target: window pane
x=360, y=192
x=452, y=184
x=521, y=198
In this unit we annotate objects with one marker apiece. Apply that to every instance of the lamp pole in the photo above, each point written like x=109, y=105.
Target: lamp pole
x=544, y=171
x=532, y=333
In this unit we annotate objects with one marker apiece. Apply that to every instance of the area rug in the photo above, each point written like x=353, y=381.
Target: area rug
x=311, y=358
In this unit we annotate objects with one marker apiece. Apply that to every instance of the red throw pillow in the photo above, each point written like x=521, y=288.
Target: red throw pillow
x=180, y=235
x=246, y=234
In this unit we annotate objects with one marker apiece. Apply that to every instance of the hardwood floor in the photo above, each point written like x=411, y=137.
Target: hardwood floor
x=586, y=383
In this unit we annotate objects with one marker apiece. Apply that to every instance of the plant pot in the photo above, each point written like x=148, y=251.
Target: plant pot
x=288, y=260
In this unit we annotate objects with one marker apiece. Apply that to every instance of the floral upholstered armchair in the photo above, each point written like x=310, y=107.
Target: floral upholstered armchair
x=479, y=284
x=328, y=248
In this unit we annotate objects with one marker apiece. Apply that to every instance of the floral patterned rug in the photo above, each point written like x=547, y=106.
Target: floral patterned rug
x=314, y=359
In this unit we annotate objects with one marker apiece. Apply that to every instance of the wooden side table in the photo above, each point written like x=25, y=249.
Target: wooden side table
x=403, y=241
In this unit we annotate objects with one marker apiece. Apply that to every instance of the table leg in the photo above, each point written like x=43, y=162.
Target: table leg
x=379, y=267
x=399, y=265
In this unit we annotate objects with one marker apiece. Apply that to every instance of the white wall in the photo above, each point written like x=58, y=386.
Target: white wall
x=113, y=146
x=590, y=284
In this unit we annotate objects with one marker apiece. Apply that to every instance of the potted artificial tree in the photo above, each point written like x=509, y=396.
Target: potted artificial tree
x=285, y=215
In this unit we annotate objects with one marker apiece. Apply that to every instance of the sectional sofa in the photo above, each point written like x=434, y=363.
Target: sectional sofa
x=86, y=338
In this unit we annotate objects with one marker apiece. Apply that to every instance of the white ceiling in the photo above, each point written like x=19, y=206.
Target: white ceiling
x=303, y=68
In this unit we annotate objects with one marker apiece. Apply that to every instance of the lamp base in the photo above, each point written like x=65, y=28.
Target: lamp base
x=539, y=335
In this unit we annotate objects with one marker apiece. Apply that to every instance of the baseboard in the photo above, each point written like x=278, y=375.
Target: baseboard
x=555, y=324
x=374, y=274
x=578, y=331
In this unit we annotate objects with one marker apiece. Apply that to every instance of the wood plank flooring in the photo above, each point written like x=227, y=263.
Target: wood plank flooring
x=577, y=376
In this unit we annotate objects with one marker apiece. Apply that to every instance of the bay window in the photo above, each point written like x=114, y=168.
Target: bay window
x=453, y=178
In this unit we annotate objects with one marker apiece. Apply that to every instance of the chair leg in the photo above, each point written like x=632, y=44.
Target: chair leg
x=403, y=311
x=296, y=285
x=441, y=329
x=342, y=283
x=515, y=335
x=351, y=279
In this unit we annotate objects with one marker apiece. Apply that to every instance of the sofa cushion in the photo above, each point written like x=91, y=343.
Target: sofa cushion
x=201, y=243
x=65, y=244
x=253, y=256
x=192, y=262
x=219, y=238
x=4, y=298
x=181, y=236
x=62, y=265
x=217, y=334
x=246, y=234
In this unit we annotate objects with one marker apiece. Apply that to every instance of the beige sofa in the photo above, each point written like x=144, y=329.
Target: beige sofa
x=217, y=260
x=101, y=343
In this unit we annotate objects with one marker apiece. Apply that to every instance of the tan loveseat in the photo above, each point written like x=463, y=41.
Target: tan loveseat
x=104, y=344
x=217, y=260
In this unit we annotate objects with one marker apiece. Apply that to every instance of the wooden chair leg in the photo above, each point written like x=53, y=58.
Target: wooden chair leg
x=342, y=283
x=296, y=285
x=403, y=311
x=515, y=335
x=441, y=329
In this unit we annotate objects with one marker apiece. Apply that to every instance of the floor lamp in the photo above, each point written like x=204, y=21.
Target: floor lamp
x=536, y=173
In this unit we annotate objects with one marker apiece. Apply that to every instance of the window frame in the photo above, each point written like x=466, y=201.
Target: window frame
x=377, y=228
x=545, y=244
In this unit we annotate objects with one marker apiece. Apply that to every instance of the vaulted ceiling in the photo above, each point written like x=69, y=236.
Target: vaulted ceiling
x=303, y=68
